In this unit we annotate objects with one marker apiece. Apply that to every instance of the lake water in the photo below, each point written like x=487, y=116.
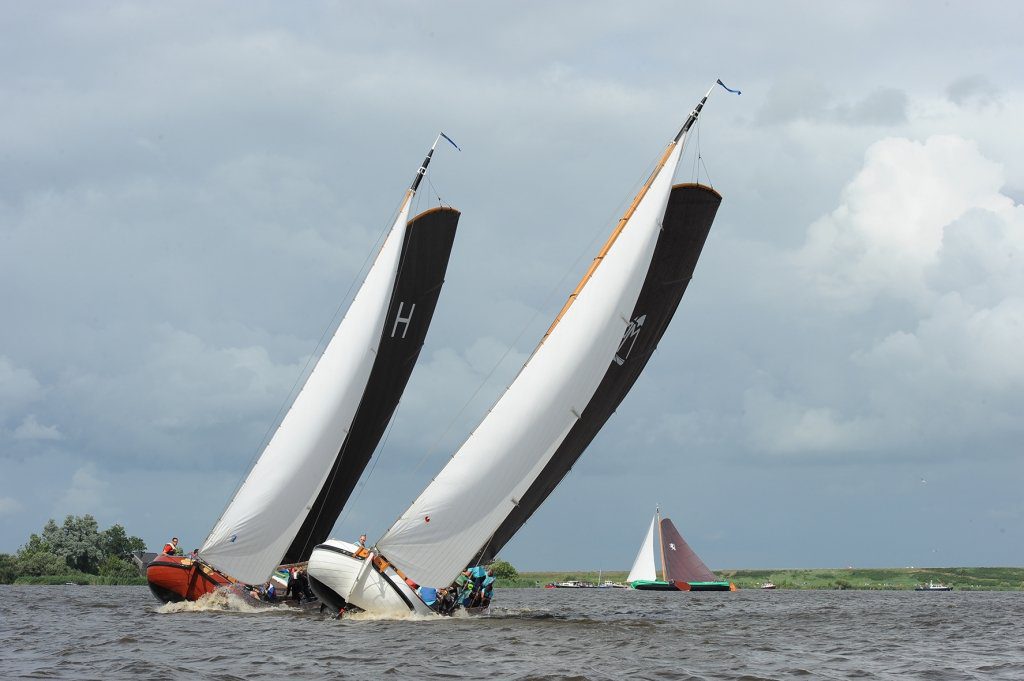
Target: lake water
x=79, y=632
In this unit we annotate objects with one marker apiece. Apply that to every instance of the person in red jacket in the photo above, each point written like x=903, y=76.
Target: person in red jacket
x=171, y=547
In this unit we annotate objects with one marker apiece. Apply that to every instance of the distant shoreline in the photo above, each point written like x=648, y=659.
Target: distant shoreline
x=890, y=579
x=960, y=578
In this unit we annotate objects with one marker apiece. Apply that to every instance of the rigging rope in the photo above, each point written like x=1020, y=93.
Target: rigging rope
x=698, y=162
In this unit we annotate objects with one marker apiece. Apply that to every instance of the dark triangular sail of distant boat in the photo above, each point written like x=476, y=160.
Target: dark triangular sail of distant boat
x=681, y=563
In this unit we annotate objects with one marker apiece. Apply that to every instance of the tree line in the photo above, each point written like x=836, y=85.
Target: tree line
x=76, y=551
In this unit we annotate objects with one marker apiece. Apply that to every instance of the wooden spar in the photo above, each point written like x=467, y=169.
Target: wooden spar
x=611, y=240
x=409, y=193
x=664, y=570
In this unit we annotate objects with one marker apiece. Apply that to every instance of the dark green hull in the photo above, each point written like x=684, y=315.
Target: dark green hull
x=710, y=586
x=659, y=585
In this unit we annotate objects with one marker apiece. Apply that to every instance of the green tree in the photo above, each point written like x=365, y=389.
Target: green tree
x=37, y=563
x=77, y=541
x=36, y=544
x=114, y=541
x=75, y=546
x=504, y=570
x=8, y=568
x=118, y=567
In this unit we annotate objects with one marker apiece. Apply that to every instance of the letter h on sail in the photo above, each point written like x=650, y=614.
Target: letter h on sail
x=404, y=321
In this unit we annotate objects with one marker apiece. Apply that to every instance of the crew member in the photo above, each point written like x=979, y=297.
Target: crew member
x=361, y=550
x=487, y=589
x=171, y=547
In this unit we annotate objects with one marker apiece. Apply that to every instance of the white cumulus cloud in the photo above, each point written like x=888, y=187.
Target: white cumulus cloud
x=889, y=232
x=923, y=258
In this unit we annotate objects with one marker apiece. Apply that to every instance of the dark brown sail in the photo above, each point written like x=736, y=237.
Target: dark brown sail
x=688, y=217
x=681, y=563
x=428, y=244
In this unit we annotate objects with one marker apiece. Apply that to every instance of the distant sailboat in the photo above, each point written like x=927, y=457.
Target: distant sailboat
x=295, y=491
x=681, y=568
x=570, y=385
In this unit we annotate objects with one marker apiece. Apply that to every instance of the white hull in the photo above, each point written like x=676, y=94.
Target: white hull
x=334, y=566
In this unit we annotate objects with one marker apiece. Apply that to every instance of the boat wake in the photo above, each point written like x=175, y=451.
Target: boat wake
x=221, y=600
x=381, y=617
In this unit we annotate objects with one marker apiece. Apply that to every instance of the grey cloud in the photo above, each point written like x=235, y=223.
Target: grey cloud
x=885, y=106
x=808, y=99
x=973, y=90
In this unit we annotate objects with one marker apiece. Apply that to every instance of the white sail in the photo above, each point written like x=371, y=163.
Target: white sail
x=261, y=521
x=643, y=566
x=459, y=511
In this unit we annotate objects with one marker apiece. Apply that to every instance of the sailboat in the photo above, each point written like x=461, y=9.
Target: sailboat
x=295, y=491
x=570, y=385
x=681, y=568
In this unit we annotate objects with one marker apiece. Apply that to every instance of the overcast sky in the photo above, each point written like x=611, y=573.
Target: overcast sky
x=189, y=191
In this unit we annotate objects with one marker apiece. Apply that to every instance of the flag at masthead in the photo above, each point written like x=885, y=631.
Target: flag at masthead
x=426, y=162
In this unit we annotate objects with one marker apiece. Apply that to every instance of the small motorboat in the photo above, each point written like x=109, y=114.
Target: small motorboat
x=572, y=584
x=933, y=586
x=768, y=585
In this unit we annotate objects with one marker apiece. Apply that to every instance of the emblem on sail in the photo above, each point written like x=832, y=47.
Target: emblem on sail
x=629, y=339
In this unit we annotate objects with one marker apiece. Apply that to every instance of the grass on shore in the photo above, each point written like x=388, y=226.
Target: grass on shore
x=81, y=578
x=961, y=579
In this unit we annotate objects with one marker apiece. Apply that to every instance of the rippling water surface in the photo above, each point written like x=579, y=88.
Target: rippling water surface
x=81, y=632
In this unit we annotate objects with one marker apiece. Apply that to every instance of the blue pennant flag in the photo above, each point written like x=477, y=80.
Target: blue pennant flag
x=719, y=82
x=456, y=145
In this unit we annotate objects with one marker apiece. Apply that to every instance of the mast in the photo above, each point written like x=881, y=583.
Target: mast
x=661, y=545
x=423, y=167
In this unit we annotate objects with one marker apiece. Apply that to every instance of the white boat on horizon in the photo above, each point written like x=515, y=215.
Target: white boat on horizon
x=933, y=586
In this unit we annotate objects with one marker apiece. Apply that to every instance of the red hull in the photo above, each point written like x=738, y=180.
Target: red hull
x=176, y=578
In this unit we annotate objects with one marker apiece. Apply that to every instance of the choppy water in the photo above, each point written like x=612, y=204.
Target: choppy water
x=79, y=632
